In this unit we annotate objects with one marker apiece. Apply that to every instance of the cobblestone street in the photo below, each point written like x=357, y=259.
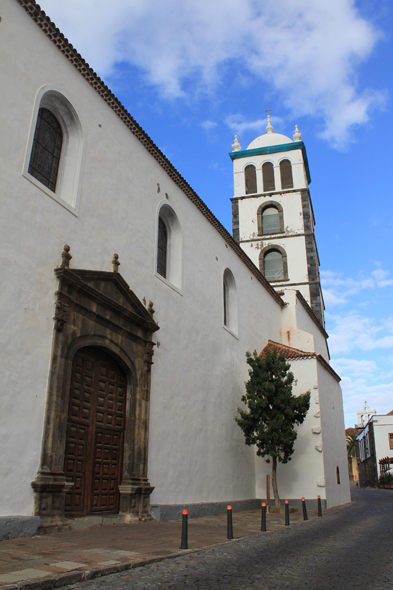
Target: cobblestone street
x=352, y=549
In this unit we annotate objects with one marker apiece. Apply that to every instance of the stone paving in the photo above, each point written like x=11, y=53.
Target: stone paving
x=50, y=561
x=350, y=549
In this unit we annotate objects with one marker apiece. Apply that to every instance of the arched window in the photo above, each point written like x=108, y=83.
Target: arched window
x=270, y=221
x=274, y=268
x=268, y=177
x=273, y=263
x=45, y=154
x=286, y=174
x=270, y=218
x=55, y=149
x=250, y=177
x=230, y=301
x=162, y=248
x=338, y=474
x=169, y=246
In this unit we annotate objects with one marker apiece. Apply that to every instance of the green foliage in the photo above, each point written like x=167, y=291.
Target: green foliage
x=351, y=444
x=272, y=409
x=386, y=479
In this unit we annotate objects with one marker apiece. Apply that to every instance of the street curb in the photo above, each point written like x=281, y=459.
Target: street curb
x=74, y=577
x=83, y=576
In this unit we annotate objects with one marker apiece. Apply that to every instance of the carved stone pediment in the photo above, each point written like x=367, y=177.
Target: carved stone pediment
x=106, y=295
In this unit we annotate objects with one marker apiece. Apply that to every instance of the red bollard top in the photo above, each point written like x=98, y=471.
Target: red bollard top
x=229, y=507
x=303, y=500
x=318, y=496
x=263, y=503
x=185, y=511
x=286, y=501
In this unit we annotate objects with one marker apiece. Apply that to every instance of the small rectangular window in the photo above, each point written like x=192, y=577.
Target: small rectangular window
x=391, y=440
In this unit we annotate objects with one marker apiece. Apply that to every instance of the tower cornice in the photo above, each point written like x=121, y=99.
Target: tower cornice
x=273, y=149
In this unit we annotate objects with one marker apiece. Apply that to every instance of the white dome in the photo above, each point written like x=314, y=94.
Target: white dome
x=269, y=139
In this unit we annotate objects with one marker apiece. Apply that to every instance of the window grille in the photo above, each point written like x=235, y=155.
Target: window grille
x=273, y=265
x=270, y=221
x=45, y=154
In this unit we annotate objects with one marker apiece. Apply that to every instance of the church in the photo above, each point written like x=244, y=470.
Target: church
x=127, y=308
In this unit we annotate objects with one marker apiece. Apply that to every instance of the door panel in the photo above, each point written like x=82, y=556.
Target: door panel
x=95, y=433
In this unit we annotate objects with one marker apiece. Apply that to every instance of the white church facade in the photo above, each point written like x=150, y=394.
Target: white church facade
x=127, y=308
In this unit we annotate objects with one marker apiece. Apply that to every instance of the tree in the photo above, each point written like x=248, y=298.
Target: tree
x=273, y=411
x=351, y=444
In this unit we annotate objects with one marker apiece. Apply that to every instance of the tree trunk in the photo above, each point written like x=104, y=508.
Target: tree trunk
x=274, y=482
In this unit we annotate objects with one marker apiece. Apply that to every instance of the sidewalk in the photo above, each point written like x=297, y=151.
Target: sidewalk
x=50, y=561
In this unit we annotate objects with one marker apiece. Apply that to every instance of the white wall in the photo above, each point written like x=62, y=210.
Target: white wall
x=299, y=477
x=292, y=207
x=333, y=438
x=298, y=329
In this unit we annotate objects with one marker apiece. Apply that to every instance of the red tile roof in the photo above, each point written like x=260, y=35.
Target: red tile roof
x=296, y=354
x=287, y=351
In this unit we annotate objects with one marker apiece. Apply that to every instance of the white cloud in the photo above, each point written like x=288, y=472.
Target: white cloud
x=380, y=274
x=238, y=124
x=338, y=290
x=208, y=125
x=351, y=331
x=354, y=366
x=307, y=50
x=357, y=391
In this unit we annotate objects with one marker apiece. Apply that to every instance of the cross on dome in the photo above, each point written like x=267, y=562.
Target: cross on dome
x=269, y=128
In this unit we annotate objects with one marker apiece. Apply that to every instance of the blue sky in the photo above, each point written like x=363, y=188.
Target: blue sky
x=195, y=72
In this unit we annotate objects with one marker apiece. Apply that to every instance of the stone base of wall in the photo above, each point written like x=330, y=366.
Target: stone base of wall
x=12, y=527
x=311, y=504
x=165, y=512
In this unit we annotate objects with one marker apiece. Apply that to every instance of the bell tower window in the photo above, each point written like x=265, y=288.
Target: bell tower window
x=274, y=270
x=286, y=174
x=45, y=154
x=273, y=263
x=270, y=221
x=250, y=177
x=268, y=177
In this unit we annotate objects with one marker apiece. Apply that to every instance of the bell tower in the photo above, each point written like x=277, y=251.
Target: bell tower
x=272, y=214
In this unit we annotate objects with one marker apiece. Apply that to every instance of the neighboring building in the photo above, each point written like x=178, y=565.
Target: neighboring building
x=122, y=373
x=375, y=442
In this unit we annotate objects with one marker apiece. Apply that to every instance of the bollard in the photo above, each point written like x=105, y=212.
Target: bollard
x=305, y=517
x=184, y=530
x=319, y=506
x=263, y=520
x=229, y=523
x=286, y=513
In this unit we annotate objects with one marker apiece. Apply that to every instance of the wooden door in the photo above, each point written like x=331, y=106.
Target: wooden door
x=95, y=433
